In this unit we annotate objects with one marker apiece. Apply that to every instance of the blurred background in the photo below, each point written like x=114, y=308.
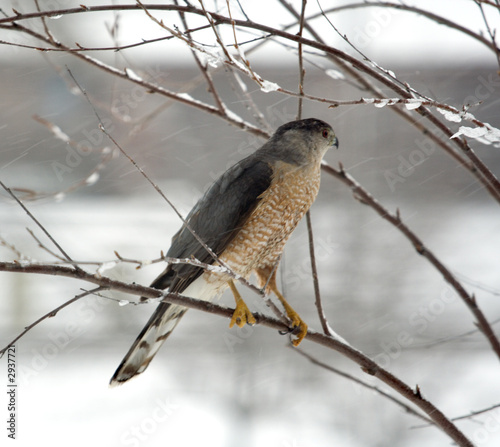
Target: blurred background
x=210, y=385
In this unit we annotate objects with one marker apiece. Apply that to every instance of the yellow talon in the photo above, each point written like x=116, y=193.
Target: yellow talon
x=298, y=325
x=241, y=314
x=302, y=327
x=267, y=277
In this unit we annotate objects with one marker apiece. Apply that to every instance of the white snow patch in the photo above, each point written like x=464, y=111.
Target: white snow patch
x=450, y=116
x=268, y=86
x=207, y=57
x=233, y=116
x=384, y=102
x=58, y=133
x=486, y=134
x=92, y=178
x=413, y=104
x=186, y=96
x=337, y=337
x=132, y=75
x=105, y=266
x=472, y=132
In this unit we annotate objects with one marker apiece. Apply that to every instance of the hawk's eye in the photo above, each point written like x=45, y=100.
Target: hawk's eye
x=325, y=133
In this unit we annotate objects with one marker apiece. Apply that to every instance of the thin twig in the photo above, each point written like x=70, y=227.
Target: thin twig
x=45, y=26
x=465, y=416
x=315, y=279
x=301, y=61
x=419, y=11
x=51, y=314
x=491, y=33
x=37, y=222
x=202, y=67
x=48, y=250
x=350, y=377
x=19, y=255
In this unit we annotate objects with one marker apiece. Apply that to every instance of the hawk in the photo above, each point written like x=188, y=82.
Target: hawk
x=245, y=217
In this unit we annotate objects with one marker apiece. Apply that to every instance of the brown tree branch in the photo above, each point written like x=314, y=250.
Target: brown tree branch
x=315, y=279
x=369, y=86
x=366, y=364
x=350, y=377
x=395, y=219
x=37, y=222
x=203, y=68
x=477, y=167
x=466, y=157
x=419, y=11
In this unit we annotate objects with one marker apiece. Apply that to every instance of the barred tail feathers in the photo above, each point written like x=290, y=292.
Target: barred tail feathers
x=159, y=327
x=153, y=335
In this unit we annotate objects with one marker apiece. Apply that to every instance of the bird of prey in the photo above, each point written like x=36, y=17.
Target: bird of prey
x=245, y=217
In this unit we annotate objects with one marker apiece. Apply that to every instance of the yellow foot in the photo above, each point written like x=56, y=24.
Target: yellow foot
x=299, y=327
x=241, y=315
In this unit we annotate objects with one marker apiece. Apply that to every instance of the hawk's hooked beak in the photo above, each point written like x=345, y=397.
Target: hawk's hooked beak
x=335, y=142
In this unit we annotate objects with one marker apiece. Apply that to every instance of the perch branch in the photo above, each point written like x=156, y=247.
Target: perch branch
x=366, y=364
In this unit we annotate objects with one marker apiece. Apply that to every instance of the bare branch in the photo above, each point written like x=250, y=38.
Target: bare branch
x=466, y=416
x=419, y=11
x=477, y=167
x=367, y=365
x=203, y=67
x=51, y=314
x=34, y=219
x=367, y=199
x=317, y=293
x=379, y=87
x=350, y=377
x=491, y=33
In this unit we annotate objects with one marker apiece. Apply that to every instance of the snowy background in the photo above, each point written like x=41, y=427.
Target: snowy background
x=218, y=387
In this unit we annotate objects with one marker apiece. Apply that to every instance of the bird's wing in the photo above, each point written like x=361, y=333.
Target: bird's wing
x=216, y=219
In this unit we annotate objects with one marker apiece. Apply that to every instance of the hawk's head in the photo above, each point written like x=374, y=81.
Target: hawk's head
x=300, y=142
